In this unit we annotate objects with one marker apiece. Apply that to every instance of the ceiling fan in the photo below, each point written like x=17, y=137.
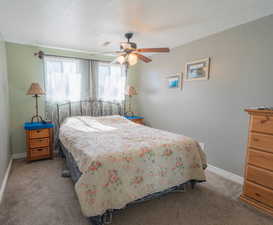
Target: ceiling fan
x=129, y=53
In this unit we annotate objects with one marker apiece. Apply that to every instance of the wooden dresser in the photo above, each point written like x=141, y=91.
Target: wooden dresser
x=258, y=184
x=39, y=138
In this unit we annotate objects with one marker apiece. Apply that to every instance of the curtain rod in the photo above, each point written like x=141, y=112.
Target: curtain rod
x=41, y=55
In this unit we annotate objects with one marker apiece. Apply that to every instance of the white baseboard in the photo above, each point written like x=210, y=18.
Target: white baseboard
x=21, y=155
x=228, y=175
x=221, y=172
x=5, y=180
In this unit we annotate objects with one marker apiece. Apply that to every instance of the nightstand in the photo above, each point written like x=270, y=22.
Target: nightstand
x=39, y=138
x=136, y=119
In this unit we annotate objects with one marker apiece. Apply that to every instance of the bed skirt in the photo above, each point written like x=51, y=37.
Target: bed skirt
x=106, y=218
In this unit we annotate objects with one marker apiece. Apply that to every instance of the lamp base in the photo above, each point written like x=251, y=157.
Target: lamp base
x=38, y=118
x=130, y=113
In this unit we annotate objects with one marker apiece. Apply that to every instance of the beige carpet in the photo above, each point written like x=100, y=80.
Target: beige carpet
x=37, y=195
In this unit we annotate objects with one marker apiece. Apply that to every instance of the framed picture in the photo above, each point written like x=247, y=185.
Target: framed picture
x=197, y=70
x=175, y=81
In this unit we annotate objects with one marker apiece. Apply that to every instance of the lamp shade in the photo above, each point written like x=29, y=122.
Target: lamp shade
x=130, y=91
x=35, y=89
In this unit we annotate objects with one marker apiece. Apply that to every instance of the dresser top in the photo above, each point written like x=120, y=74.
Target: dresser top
x=37, y=125
x=259, y=111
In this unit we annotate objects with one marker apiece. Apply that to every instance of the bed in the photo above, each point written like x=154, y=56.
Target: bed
x=115, y=162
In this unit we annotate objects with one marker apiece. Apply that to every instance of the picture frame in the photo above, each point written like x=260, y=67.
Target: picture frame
x=197, y=70
x=175, y=81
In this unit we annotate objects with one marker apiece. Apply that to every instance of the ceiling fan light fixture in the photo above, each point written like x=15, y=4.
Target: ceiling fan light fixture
x=128, y=46
x=129, y=53
x=132, y=59
x=121, y=59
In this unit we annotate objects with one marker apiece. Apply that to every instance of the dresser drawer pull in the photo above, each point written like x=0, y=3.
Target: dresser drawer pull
x=40, y=149
x=264, y=121
x=257, y=194
x=38, y=131
x=255, y=139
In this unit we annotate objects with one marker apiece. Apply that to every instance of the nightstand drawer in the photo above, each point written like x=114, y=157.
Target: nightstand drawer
x=259, y=193
x=136, y=119
x=139, y=121
x=260, y=159
x=41, y=133
x=39, y=152
x=261, y=141
x=39, y=142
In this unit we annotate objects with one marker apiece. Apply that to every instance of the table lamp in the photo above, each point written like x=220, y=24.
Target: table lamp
x=35, y=90
x=130, y=91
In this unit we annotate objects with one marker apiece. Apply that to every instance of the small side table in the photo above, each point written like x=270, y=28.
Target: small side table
x=136, y=119
x=39, y=139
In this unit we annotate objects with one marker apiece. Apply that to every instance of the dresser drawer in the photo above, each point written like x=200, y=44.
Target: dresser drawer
x=39, y=152
x=260, y=159
x=262, y=123
x=39, y=142
x=41, y=133
x=261, y=141
x=259, y=193
x=259, y=176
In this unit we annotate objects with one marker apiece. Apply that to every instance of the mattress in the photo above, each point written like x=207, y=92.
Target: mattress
x=121, y=161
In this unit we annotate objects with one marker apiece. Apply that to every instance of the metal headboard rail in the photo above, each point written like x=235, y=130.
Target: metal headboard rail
x=98, y=107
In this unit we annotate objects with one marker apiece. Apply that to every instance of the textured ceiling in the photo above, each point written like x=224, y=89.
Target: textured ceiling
x=87, y=25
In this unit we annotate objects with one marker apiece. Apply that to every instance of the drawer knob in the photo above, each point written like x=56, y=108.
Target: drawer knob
x=265, y=120
x=257, y=194
x=255, y=139
x=38, y=131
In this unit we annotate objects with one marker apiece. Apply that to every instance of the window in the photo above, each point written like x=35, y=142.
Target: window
x=65, y=79
x=72, y=80
x=110, y=82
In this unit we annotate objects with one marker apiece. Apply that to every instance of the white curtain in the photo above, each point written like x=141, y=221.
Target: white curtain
x=110, y=82
x=74, y=80
x=66, y=79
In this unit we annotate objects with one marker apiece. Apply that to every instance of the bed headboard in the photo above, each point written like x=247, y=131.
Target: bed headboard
x=87, y=108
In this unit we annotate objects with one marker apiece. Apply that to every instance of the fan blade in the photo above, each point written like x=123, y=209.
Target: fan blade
x=143, y=58
x=153, y=50
x=112, y=52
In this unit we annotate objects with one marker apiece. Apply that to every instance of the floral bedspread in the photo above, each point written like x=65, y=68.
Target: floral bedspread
x=122, y=161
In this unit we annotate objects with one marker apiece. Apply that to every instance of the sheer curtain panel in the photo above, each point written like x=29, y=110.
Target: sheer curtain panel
x=66, y=80
x=110, y=82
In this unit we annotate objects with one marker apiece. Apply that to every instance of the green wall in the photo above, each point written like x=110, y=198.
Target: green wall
x=23, y=69
x=4, y=114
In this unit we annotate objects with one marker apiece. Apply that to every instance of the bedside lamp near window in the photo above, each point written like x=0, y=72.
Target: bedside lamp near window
x=35, y=90
x=130, y=91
